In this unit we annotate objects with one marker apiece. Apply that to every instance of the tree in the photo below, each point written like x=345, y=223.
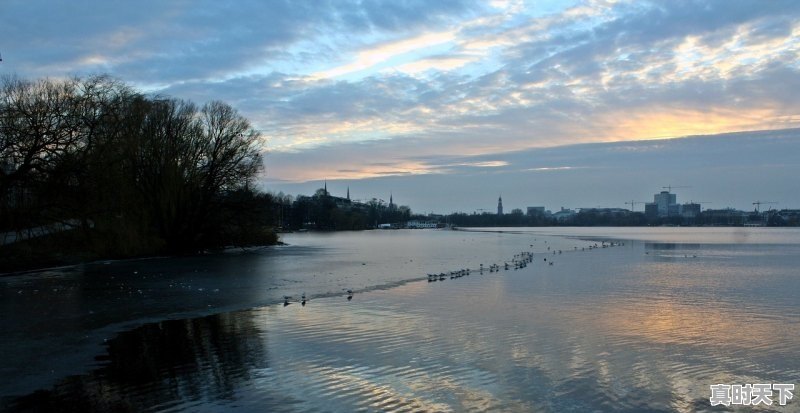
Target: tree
x=142, y=174
x=38, y=127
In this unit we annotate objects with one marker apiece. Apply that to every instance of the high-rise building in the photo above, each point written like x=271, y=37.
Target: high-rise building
x=664, y=204
x=500, y=206
x=664, y=200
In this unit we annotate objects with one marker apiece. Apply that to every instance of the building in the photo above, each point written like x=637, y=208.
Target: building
x=417, y=224
x=651, y=210
x=665, y=204
x=726, y=216
x=564, y=214
x=500, y=206
x=673, y=210
x=344, y=203
x=536, y=211
x=690, y=210
x=664, y=200
x=605, y=211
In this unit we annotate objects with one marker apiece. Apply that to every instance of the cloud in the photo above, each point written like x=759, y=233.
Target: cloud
x=155, y=42
x=553, y=168
x=437, y=63
x=357, y=89
x=379, y=54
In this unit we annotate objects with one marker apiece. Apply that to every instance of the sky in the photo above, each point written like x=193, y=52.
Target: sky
x=449, y=104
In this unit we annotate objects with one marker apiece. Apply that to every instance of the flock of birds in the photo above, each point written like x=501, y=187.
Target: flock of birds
x=519, y=261
x=287, y=299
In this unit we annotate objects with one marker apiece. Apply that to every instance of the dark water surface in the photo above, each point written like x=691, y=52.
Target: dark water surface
x=647, y=326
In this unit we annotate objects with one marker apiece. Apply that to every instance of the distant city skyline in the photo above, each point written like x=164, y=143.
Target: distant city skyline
x=730, y=170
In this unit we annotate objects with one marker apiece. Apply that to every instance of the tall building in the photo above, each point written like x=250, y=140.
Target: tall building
x=348, y=193
x=664, y=200
x=500, y=205
x=664, y=204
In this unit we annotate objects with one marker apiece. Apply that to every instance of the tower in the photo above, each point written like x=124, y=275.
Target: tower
x=391, y=203
x=348, y=193
x=326, y=187
x=500, y=205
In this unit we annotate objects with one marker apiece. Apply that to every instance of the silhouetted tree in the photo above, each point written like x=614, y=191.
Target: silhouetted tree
x=140, y=174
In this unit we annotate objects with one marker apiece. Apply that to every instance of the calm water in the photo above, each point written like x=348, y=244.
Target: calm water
x=642, y=327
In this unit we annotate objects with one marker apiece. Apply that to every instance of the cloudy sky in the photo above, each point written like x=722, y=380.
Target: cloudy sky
x=449, y=103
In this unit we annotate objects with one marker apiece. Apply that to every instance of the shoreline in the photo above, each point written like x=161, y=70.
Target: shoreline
x=223, y=250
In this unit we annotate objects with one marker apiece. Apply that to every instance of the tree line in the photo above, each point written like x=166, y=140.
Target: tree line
x=128, y=172
x=592, y=217
x=321, y=211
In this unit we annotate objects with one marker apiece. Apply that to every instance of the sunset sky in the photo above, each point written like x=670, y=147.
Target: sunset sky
x=449, y=103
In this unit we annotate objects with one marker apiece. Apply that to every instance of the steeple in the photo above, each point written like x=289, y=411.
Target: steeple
x=500, y=205
x=348, y=192
x=391, y=202
x=326, y=187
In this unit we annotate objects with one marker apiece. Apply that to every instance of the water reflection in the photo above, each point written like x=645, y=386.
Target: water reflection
x=60, y=315
x=612, y=329
x=170, y=364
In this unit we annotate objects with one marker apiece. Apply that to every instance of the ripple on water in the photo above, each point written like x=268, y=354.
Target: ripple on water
x=600, y=331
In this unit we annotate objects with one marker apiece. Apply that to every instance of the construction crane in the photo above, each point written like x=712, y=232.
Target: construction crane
x=669, y=187
x=633, y=204
x=759, y=203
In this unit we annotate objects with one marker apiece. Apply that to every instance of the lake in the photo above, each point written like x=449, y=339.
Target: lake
x=625, y=319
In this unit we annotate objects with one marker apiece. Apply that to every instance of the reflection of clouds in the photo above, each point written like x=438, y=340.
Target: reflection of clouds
x=369, y=354
x=596, y=330
x=669, y=321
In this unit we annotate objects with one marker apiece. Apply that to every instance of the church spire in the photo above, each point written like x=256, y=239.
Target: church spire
x=500, y=205
x=326, y=187
x=348, y=192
